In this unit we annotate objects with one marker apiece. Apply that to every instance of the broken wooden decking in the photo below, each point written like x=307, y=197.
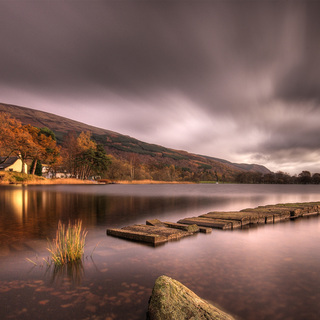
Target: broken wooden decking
x=157, y=232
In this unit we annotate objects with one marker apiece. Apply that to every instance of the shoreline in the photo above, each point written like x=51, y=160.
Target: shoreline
x=74, y=181
x=146, y=181
x=49, y=182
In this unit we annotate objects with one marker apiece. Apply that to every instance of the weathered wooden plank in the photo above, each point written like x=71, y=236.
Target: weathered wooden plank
x=265, y=215
x=309, y=206
x=137, y=236
x=207, y=223
x=228, y=215
x=310, y=214
x=256, y=217
x=277, y=218
x=205, y=229
x=298, y=209
x=155, y=222
x=279, y=213
x=234, y=223
x=189, y=228
x=171, y=234
x=201, y=228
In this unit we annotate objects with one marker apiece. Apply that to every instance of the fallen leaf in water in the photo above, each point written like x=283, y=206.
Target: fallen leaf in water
x=91, y=308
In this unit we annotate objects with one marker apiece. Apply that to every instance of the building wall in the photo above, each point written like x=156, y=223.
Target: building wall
x=17, y=166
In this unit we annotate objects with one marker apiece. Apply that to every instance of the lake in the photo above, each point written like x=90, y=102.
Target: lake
x=266, y=272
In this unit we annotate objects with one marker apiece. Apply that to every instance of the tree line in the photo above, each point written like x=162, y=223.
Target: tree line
x=305, y=177
x=132, y=168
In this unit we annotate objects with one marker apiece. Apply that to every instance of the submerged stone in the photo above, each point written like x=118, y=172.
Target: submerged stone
x=171, y=300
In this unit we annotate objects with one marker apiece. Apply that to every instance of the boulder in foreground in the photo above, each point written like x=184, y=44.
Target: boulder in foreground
x=172, y=300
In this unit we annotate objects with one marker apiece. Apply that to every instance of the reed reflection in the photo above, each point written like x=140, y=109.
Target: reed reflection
x=72, y=272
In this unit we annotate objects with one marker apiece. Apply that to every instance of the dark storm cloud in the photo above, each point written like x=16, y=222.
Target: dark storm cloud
x=128, y=46
x=233, y=77
x=292, y=137
x=138, y=46
x=301, y=81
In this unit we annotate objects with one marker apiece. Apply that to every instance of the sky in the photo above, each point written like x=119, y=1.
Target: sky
x=238, y=80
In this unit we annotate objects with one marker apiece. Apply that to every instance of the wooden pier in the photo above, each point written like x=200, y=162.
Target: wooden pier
x=157, y=232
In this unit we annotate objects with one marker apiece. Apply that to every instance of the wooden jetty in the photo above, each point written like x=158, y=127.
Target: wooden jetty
x=153, y=234
x=157, y=232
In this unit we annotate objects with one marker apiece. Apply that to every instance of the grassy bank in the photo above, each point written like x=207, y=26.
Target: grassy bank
x=30, y=179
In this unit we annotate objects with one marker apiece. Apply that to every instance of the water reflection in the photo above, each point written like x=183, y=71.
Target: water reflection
x=73, y=272
x=19, y=203
x=34, y=212
x=247, y=272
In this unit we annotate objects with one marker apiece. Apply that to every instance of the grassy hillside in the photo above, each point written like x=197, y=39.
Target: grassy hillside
x=122, y=146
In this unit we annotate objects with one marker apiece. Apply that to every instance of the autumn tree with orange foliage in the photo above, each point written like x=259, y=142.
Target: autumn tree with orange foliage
x=83, y=157
x=26, y=142
x=46, y=151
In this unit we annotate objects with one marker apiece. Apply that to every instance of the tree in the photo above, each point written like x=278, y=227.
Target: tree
x=25, y=141
x=36, y=168
x=16, y=139
x=70, y=152
x=316, y=178
x=101, y=160
x=84, y=141
x=304, y=177
x=282, y=178
x=83, y=157
x=133, y=164
x=52, y=155
x=117, y=170
x=46, y=149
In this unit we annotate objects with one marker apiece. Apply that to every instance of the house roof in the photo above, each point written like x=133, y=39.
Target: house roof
x=10, y=161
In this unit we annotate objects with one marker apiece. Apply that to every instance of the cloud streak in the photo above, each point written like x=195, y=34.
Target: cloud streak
x=238, y=80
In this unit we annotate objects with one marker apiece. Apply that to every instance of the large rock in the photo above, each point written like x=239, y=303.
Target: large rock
x=172, y=300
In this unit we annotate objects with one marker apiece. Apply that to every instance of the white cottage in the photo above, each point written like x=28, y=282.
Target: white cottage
x=12, y=164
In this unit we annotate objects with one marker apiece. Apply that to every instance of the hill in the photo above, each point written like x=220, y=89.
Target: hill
x=123, y=146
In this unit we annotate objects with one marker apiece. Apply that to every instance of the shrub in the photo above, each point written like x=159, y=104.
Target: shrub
x=69, y=243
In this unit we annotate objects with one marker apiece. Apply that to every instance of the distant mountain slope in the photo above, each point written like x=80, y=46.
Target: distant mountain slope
x=122, y=146
x=244, y=166
x=45, y=119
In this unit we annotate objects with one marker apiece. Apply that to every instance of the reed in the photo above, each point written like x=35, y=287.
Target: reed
x=69, y=243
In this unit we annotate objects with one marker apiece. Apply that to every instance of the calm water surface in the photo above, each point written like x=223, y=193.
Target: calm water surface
x=269, y=272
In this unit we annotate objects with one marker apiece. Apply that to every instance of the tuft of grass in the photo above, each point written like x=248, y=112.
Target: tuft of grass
x=31, y=261
x=69, y=243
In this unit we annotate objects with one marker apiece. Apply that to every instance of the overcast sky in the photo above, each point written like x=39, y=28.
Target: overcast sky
x=239, y=80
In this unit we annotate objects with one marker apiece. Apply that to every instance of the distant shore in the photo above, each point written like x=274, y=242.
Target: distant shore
x=146, y=181
x=8, y=178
